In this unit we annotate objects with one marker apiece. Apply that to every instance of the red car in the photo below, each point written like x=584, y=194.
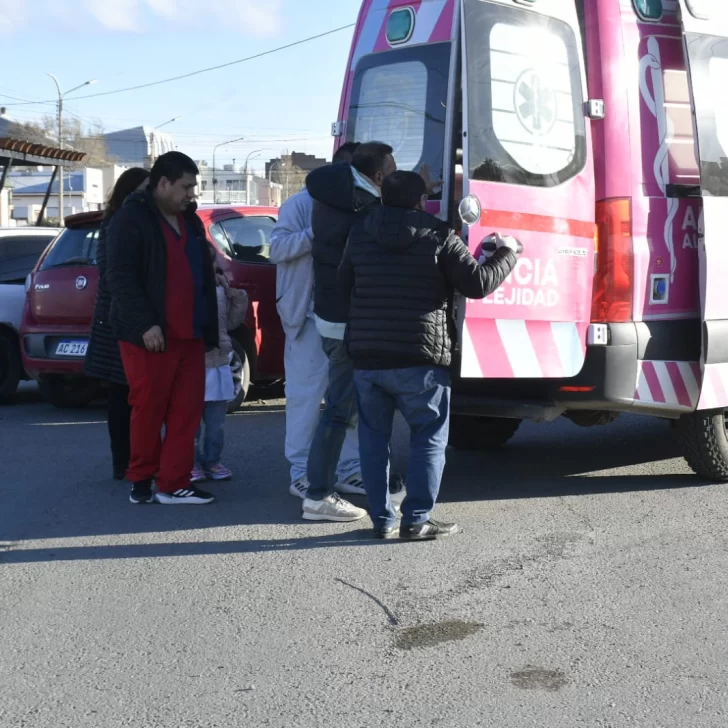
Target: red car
x=61, y=293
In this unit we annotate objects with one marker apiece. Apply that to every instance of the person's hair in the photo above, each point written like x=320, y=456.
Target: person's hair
x=369, y=158
x=345, y=152
x=125, y=185
x=403, y=189
x=173, y=166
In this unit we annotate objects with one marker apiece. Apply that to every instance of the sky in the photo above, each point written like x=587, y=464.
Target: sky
x=283, y=101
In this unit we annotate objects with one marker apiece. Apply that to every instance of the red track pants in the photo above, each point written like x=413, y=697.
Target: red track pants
x=164, y=389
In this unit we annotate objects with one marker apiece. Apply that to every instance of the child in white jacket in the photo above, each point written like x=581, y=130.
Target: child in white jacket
x=232, y=305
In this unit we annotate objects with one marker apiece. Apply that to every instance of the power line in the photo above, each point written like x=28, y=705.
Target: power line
x=202, y=70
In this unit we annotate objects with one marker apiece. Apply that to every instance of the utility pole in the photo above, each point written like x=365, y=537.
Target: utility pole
x=152, y=140
x=61, y=96
x=214, y=169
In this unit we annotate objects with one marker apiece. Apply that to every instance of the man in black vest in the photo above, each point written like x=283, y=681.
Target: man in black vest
x=401, y=269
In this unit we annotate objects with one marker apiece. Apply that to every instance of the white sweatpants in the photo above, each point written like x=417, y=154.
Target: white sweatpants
x=307, y=377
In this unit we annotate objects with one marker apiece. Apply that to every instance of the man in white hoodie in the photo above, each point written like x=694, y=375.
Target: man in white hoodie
x=306, y=364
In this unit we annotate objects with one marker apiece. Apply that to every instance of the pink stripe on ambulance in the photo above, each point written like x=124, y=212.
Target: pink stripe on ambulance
x=672, y=385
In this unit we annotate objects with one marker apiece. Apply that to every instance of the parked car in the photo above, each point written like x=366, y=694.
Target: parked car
x=20, y=249
x=62, y=292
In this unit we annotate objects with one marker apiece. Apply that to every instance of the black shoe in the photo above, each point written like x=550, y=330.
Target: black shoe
x=185, y=497
x=119, y=473
x=386, y=532
x=428, y=531
x=141, y=493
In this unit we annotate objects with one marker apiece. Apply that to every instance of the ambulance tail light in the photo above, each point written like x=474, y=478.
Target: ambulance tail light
x=614, y=277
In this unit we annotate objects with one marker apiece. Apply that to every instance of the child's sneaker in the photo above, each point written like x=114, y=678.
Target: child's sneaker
x=197, y=476
x=219, y=472
x=299, y=487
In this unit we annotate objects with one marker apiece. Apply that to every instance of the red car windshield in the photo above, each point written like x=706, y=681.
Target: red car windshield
x=74, y=246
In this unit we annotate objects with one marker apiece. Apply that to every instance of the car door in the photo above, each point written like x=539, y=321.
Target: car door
x=527, y=171
x=705, y=33
x=246, y=241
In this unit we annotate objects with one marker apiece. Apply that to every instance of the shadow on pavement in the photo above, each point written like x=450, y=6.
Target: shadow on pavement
x=193, y=548
x=68, y=493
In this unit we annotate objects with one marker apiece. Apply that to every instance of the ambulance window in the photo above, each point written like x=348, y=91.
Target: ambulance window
x=525, y=100
x=667, y=120
x=392, y=109
x=398, y=97
x=709, y=69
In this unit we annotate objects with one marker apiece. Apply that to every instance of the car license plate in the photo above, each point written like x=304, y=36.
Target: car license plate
x=71, y=348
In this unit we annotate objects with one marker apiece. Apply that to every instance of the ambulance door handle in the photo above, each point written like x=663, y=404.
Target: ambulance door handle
x=489, y=246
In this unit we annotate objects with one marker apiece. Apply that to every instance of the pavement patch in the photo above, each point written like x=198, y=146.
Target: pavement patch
x=537, y=678
x=431, y=635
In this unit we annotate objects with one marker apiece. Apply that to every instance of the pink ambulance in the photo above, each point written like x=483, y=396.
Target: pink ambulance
x=595, y=131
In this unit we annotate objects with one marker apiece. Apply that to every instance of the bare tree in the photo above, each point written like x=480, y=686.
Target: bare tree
x=89, y=140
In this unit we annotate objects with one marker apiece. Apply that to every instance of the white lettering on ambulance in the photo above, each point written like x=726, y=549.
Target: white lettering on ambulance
x=693, y=229
x=533, y=283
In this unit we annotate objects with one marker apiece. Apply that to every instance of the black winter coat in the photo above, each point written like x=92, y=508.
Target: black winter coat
x=401, y=268
x=136, y=271
x=337, y=201
x=103, y=360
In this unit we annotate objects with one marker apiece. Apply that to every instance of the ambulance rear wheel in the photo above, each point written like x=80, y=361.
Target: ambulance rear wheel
x=704, y=439
x=471, y=433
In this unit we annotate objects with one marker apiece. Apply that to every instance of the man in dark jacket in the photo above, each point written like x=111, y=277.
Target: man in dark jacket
x=164, y=313
x=340, y=193
x=401, y=269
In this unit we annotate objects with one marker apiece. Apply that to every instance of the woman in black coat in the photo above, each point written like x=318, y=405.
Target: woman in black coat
x=103, y=360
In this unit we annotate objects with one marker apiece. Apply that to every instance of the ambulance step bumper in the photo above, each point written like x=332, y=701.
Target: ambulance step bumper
x=607, y=381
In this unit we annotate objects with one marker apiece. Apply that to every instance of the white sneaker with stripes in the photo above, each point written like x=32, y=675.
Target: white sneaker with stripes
x=185, y=497
x=299, y=487
x=353, y=485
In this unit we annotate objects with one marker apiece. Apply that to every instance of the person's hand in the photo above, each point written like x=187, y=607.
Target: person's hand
x=427, y=177
x=508, y=241
x=222, y=281
x=154, y=340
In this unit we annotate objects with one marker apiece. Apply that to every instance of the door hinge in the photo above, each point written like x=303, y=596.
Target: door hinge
x=594, y=109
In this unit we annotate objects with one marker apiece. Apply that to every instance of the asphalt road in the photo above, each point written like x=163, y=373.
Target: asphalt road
x=589, y=588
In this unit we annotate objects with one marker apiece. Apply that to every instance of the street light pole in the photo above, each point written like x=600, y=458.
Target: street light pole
x=214, y=173
x=61, y=96
x=250, y=156
x=153, y=155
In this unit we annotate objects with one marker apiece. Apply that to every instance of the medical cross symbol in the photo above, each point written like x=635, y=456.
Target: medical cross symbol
x=535, y=103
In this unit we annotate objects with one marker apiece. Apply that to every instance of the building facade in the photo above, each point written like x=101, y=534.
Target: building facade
x=138, y=146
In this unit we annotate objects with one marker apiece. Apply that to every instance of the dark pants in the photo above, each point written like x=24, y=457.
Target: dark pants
x=165, y=389
x=339, y=415
x=422, y=395
x=119, y=424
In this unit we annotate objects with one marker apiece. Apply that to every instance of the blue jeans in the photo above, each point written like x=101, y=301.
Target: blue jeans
x=339, y=415
x=210, y=438
x=422, y=395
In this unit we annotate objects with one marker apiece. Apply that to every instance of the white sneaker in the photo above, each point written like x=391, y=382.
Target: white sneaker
x=334, y=508
x=353, y=485
x=299, y=487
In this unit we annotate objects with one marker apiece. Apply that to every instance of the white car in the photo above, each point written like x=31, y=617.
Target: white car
x=20, y=249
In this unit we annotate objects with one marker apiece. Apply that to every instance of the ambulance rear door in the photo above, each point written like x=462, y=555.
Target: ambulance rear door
x=527, y=171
